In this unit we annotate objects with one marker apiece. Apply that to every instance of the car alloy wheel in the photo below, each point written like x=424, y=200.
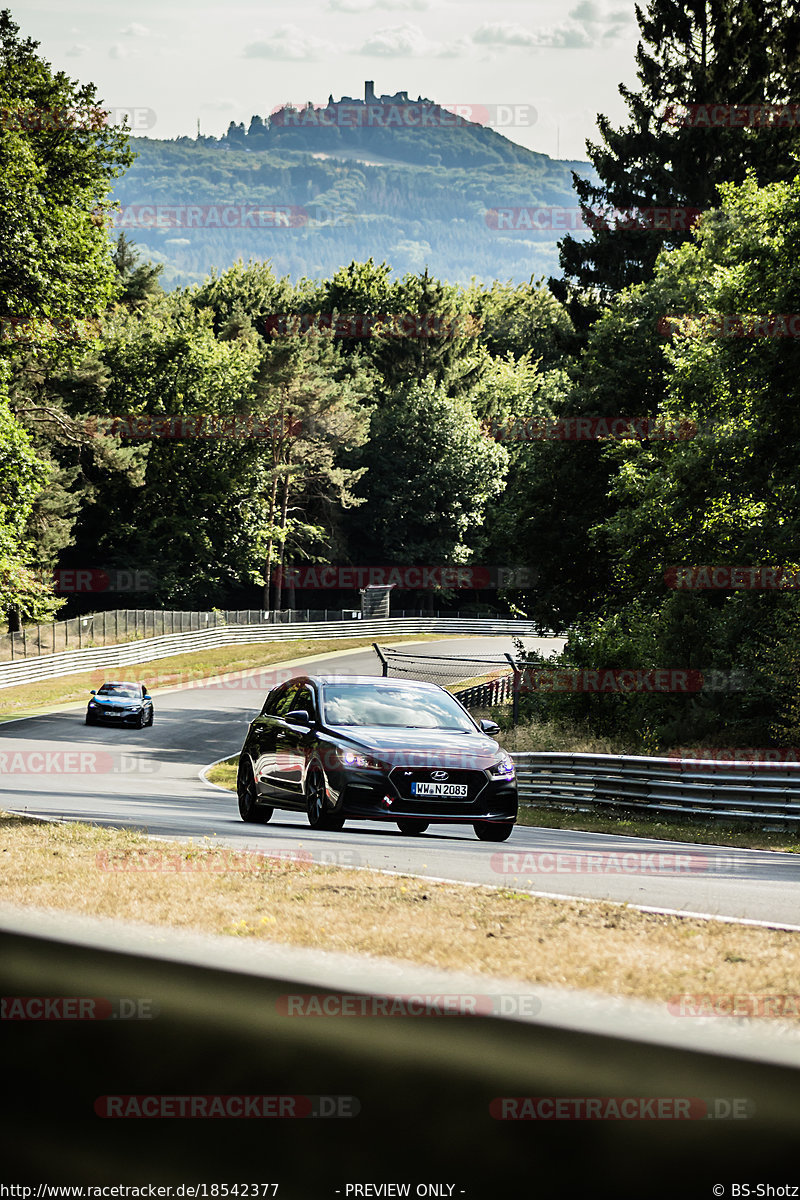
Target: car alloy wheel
x=493, y=831
x=142, y=721
x=150, y=718
x=316, y=796
x=410, y=826
x=249, y=810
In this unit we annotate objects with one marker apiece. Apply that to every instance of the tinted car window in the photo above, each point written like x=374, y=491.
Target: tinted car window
x=305, y=699
x=348, y=704
x=273, y=699
x=281, y=701
x=120, y=689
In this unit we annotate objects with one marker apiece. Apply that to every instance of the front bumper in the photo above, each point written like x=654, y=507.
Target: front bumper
x=105, y=717
x=373, y=796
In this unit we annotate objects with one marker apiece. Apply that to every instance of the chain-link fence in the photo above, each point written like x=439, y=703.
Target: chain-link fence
x=120, y=625
x=487, y=681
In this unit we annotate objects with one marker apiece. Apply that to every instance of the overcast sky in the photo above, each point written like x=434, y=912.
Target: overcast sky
x=190, y=59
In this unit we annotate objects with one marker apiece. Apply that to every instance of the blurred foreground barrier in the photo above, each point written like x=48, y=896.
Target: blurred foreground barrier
x=767, y=792
x=438, y=1100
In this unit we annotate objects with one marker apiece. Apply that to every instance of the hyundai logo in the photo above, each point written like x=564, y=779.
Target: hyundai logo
x=439, y=775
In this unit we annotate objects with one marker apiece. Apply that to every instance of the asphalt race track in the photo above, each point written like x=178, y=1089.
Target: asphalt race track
x=54, y=766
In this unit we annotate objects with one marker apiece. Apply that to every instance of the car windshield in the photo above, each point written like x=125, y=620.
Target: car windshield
x=401, y=707
x=129, y=690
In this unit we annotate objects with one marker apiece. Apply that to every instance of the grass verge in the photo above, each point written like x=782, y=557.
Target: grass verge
x=712, y=834
x=213, y=889
x=28, y=698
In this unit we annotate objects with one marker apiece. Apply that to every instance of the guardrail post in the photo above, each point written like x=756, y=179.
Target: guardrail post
x=514, y=691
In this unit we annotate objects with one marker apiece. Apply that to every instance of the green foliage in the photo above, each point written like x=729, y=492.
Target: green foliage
x=726, y=496
x=55, y=182
x=430, y=475
x=724, y=52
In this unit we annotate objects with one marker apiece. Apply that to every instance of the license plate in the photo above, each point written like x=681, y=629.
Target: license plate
x=439, y=789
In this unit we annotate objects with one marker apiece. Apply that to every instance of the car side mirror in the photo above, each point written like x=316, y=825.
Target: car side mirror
x=298, y=716
x=93, y=692
x=146, y=696
x=489, y=726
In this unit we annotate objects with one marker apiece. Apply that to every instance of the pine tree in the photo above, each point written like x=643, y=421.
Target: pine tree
x=693, y=52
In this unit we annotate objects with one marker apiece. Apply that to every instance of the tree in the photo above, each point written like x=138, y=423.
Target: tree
x=727, y=496
x=732, y=52
x=23, y=593
x=137, y=282
x=57, y=161
x=431, y=473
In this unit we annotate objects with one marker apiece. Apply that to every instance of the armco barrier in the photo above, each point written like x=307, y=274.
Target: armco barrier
x=744, y=790
x=147, y=650
x=428, y=1088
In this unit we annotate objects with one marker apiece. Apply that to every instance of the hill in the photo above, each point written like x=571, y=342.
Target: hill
x=312, y=189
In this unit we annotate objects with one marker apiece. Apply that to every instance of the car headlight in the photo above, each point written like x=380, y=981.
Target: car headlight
x=349, y=758
x=92, y=704
x=503, y=768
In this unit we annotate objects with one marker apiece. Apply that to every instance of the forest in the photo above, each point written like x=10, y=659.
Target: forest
x=403, y=419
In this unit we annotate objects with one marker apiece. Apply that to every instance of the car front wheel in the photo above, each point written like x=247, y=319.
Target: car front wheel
x=249, y=810
x=493, y=831
x=316, y=796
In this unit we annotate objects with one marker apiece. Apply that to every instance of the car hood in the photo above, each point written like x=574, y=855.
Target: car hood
x=421, y=747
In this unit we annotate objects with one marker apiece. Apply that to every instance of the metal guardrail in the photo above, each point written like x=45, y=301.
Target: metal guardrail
x=113, y=627
x=149, y=649
x=743, y=790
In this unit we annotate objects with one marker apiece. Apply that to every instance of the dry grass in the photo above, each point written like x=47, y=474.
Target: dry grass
x=180, y=668
x=577, y=944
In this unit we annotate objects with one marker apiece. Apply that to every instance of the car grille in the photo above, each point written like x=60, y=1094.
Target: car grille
x=404, y=777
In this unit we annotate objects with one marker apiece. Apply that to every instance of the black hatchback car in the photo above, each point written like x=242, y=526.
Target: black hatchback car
x=339, y=747
x=120, y=704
